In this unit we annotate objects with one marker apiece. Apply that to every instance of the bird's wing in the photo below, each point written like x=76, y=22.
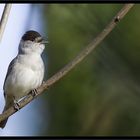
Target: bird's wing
x=10, y=67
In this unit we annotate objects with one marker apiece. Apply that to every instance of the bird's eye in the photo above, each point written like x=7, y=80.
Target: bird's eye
x=38, y=39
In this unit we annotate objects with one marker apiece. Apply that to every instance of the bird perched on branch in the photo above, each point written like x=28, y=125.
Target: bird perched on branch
x=25, y=72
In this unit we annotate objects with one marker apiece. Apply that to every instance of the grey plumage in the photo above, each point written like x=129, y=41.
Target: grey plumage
x=26, y=70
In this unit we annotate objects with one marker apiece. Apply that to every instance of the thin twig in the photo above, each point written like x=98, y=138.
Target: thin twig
x=4, y=19
x=73, y=63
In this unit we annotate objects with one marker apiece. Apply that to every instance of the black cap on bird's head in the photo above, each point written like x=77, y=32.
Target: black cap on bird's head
x=33, y=36
x=30, y=35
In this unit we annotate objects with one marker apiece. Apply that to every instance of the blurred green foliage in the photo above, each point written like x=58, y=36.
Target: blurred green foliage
x=101, y=96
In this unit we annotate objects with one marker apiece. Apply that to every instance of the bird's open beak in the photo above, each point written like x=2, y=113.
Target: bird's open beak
x=44, y=41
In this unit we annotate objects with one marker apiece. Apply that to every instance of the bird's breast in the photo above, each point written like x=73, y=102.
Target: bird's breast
x=26, y=75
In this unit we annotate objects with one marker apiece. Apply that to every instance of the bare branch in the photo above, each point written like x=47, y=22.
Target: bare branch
x=4, y=19
x=73, y=63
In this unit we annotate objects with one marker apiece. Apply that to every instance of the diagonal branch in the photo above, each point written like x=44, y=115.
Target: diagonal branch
x=4, y=19
x=73, y=63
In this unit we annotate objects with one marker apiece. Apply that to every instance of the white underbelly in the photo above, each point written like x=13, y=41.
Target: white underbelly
x=21, y=82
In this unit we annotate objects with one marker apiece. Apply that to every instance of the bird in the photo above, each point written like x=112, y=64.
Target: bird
x=26, y=71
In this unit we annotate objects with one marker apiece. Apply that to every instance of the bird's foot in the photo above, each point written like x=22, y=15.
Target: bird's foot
x=43, y=82
x=16, y=105
x=34, y=92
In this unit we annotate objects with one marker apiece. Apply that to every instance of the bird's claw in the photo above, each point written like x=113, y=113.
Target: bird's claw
x=34, y=92
x=16, y=105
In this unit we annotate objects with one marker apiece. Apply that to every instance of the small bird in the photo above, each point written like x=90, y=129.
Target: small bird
x=26, y=71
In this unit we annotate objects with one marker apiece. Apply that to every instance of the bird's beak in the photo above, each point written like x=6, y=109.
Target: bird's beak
x=44, y=41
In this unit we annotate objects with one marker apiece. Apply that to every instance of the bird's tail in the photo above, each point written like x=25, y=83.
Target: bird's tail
x=3, y=123
x=8, y=104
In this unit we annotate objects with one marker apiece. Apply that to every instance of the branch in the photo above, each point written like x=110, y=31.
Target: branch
x=73, y=63
x=4, y=19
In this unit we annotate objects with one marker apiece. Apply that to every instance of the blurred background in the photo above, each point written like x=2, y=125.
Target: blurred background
x=101, y=95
